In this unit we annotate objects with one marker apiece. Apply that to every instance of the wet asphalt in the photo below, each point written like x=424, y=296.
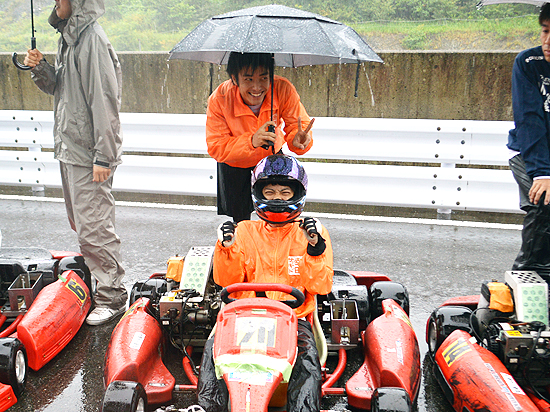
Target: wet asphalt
x=434, y=259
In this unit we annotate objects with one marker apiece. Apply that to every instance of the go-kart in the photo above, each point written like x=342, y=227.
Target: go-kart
x=255, y=340
x=44, y=299
x=487, y=359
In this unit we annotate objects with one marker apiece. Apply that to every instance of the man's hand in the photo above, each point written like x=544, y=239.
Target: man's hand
x=101, y=173
x=302, y=138
x=311, y=228
x=32, y=58
x=226, y=233
x=539, y=187
x=264, y=138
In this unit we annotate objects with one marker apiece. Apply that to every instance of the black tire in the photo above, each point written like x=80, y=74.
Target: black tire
x=125, y=396
x=444, y=321
x=391, y=400
x=13, y=364
x=78, y=265
x=388, y=290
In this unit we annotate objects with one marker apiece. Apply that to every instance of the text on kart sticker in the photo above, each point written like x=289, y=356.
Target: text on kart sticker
x=399, y=313
x=134, y=307
x=455, y=351
x=74, y=287
x=256, y=333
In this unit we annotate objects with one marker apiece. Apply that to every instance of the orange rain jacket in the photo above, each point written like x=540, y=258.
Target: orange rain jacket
x=230, y=123
x=266, y=254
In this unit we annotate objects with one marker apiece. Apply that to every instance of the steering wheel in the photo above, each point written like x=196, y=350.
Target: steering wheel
x=263, y=287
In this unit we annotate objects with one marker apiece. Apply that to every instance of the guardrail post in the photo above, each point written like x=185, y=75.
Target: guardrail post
x=445, y=213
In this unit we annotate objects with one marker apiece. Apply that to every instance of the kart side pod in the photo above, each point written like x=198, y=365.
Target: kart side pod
x=135, y=354
x=473, y=377
x=55, y=316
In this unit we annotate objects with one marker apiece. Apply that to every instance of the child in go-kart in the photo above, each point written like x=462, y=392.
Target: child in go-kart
x=279, y=248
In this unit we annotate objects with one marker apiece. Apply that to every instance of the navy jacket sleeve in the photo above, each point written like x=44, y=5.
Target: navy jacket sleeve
x=531, y=105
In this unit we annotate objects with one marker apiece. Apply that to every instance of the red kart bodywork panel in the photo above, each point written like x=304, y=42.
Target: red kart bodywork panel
x=135, y=354
x=7, y=397
x=367, y=278
x=470, y=301
x=255, y=326
x=54, y=318
x=477, y=378
x=392, y=357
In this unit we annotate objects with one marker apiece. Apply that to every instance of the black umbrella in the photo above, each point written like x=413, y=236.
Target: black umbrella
x=293, y=37
x=533, y=2
x=33, y=43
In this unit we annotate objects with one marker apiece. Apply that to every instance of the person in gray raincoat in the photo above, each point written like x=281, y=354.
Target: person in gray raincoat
x=86, y=85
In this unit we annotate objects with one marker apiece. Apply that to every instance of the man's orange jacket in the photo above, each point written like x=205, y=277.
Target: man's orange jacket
x=230, y=123
x=266, y=254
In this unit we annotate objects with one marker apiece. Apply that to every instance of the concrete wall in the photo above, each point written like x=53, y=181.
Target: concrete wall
x=430, y=85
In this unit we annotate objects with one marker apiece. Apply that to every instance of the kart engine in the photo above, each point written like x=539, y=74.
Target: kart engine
x=185, y=300
x=519, y=338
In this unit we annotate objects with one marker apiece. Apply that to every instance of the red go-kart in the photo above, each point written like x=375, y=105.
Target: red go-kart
x=44, y=299
x=485, y=359
x=255, y=340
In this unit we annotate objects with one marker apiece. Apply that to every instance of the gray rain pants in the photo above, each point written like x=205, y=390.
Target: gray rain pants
x=91, y=212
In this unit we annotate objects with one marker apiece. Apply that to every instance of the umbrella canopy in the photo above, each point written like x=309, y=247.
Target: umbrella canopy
x=295, y=38
x=533, y=2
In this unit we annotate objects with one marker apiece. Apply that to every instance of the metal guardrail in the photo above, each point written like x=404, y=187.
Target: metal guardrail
x=438, y=164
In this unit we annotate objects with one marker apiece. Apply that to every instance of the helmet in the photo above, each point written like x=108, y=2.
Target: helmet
x=284, y=170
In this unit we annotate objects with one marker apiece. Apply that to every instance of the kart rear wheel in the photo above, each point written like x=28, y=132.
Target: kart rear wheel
x=125, y=396
x=391, y=400
x=382, y=290
x=444, y=321
x=13, y=364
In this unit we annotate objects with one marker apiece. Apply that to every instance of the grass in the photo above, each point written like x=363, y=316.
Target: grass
x=515, y=33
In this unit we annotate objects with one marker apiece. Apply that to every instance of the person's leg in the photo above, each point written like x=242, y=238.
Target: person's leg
x=535, y=248
x=234, y=192
x=212, y=394
x=304, y=386
x=93, y=215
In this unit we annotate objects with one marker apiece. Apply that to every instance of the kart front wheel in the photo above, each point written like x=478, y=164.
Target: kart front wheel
x=444, y=321
x=381, y=290
x=124, y=396
x=13, y=364
x=391, y=400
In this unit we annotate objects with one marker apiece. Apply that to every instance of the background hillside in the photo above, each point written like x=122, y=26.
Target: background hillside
x=140, y=25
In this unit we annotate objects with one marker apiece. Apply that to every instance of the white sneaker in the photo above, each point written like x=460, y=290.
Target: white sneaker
x=102, y=315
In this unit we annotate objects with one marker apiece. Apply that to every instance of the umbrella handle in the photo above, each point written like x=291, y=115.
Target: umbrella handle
x=17, y=64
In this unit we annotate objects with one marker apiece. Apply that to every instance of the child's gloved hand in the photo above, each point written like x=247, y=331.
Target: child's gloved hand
x=311, y=228
x=226, y=233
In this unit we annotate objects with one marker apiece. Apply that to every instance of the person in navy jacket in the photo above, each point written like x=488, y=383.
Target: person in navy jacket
x=529, y=144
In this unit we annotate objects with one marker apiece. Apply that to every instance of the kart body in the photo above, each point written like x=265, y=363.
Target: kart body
x=44, y=299
x=365, y=311
x=499, y=365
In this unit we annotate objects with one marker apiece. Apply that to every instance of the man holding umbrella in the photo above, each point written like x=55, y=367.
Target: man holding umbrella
x=529, y=143
x=86, y=85
x=244, y=124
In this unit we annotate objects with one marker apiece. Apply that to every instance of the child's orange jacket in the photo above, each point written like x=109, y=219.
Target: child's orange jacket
x=266, y=254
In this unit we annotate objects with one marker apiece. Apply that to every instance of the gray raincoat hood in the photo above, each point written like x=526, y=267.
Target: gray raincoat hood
x=84, y=13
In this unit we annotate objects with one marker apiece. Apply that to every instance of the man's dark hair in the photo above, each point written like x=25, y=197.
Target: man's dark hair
x=238, y=61
x=544, y=13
